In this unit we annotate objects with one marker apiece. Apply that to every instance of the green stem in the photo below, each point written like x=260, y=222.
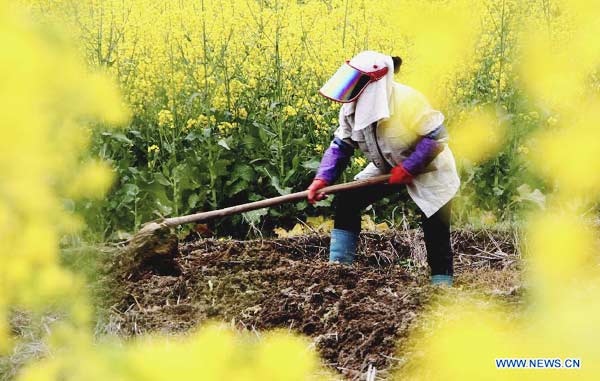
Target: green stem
x=135, y=214
x=502, y=37
x=211, y=173
x=279, y=91
x=205, y=48
x=345, y=25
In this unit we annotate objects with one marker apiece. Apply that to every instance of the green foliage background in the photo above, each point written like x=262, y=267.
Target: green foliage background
x=226, y=111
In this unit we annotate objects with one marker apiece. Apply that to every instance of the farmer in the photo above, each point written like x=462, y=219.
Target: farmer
x=399, y=133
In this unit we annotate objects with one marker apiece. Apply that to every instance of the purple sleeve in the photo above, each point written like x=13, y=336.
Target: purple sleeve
x=334, y=161
x=425, y=151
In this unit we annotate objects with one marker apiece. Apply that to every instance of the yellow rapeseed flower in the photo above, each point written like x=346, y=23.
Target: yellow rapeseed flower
x=191, y=123
x=359, y=161
x=165, y=119
x=242, y=113
x=289, y=111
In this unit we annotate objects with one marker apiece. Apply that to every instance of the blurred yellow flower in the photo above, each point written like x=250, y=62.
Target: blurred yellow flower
x=478, y=137
x=93, y=180
x=51, y=100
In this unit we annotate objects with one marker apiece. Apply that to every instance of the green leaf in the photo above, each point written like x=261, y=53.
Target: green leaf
x=162, y=180
x=220, y=167
x=535, y=196
x=236, y=188
x=324, y=203
x=193, y=136
x=301, y=205
x=289, y=175
x=277, y=186
x=184, y=175
x=295, y=162
x=243, y=171
x=118, y=137
x=162, y=209
x=223, y=143
x=250, y=141
x=253, y=217
x=259, y=160
x=133, y=170
x=275, y=213
x=254, y=197
x=313, y=164
x=128, y=193
x=193, y=200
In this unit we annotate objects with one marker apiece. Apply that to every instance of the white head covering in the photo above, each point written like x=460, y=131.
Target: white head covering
x=374, y=104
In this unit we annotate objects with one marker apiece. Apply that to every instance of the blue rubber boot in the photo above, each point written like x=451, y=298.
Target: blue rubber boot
x=343, y=246
x=442, y=280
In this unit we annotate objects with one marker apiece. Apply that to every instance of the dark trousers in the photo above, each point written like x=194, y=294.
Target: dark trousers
x=436, y=229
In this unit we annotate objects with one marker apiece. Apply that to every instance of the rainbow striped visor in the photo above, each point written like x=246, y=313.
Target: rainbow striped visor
x=348, y=83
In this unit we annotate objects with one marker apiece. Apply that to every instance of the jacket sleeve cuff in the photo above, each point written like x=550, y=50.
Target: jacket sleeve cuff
x=425, y=151
x=334, y=161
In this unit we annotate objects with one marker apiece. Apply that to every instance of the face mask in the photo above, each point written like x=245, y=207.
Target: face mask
x=349, y=82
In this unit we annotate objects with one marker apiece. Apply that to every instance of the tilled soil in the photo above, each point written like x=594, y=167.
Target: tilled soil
x=357, y=315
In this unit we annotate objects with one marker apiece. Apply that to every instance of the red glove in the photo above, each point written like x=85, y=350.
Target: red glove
x=400, y=175
x=313, y=188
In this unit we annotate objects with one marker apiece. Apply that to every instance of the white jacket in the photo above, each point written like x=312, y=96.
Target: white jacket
x=389, y=141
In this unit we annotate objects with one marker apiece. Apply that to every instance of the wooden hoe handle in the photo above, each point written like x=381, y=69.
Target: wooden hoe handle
x=204, y=216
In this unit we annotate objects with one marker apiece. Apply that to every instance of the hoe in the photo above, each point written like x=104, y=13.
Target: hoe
x=156, y=238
